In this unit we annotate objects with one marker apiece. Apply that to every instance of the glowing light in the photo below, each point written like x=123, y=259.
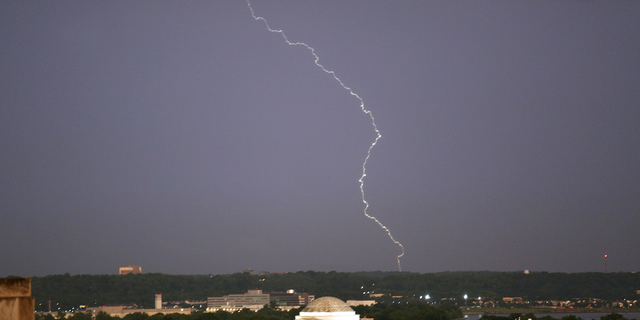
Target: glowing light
x=367, y=112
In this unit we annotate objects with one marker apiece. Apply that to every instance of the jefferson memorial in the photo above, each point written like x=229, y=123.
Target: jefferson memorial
x=327, y=308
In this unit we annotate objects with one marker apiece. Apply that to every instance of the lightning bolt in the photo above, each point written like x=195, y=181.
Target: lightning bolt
x=367, y=112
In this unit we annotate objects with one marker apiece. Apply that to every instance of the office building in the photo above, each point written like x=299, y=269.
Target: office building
x=252, y=300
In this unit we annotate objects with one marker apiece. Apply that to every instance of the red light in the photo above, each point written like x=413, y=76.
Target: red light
x=606, y=255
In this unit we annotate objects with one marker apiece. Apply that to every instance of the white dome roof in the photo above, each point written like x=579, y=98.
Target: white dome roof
x=327, y=304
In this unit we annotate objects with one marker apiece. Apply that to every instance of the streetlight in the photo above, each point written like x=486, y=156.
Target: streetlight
x=465, y=299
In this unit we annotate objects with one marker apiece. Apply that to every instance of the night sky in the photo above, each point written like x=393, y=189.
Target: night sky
x=186, y=138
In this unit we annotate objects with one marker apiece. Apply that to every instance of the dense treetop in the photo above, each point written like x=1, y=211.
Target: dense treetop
x=67, y=291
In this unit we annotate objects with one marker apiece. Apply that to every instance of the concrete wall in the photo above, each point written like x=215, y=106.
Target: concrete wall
x=16, y=302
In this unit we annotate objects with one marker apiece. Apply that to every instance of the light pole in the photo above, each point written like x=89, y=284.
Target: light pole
x=605, y=263
x=465, y=299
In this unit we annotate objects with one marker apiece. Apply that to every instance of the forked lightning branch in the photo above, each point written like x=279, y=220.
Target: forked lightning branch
x=367, y=112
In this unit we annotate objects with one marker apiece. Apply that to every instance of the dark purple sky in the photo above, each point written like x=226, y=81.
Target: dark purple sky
x=186, y=138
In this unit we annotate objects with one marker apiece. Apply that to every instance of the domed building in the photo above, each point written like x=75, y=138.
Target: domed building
x=327, y=308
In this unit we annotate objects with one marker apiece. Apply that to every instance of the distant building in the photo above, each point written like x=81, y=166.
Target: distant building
x=290, y=298
x=253, y=300
x=122, y=311
x=131, y=269
x=249, y=271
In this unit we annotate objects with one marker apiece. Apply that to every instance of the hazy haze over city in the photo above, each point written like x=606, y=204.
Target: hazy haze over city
x=186, y=138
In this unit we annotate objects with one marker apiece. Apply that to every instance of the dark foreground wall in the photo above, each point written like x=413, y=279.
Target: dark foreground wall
x=16, y=302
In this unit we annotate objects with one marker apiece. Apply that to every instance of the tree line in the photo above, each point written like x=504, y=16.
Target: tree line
x=519, y=316
x=66, y=291
x=409, y=311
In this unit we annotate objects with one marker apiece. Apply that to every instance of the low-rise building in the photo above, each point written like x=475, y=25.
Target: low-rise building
x=290, y=298
x=120, y=311
x=253, y=300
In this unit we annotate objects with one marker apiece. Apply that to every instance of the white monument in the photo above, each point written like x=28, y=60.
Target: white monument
x=327, y=308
